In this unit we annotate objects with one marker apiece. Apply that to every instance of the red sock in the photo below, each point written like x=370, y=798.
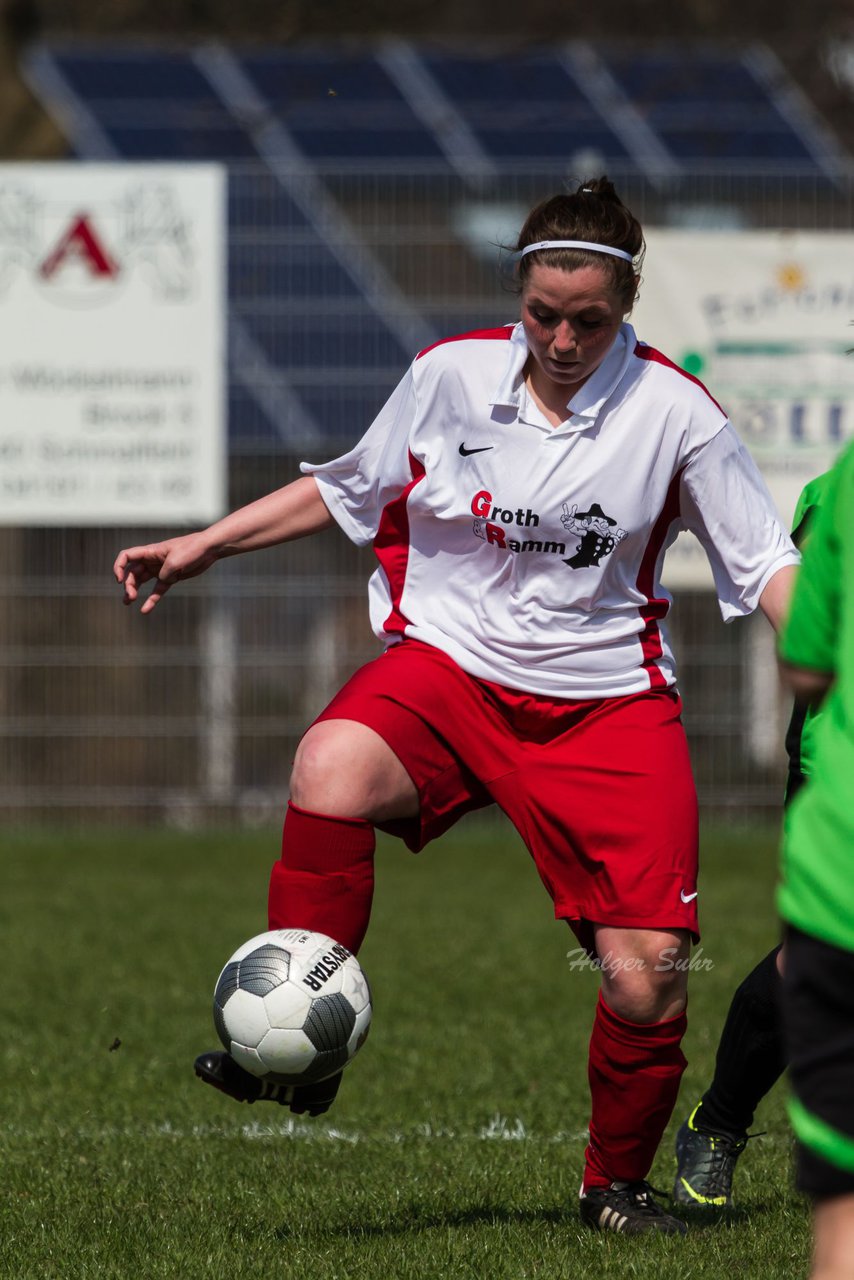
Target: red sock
x=325, y=877
x=634, y=1071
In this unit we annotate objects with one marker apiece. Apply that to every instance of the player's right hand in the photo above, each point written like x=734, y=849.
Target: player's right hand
x=164, y=563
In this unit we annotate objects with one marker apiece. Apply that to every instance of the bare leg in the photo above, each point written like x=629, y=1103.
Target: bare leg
x=833, y=1224
x=344, y=769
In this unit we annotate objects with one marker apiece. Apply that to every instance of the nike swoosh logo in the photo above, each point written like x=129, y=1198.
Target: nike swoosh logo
x=465, y=453
x=687, y=897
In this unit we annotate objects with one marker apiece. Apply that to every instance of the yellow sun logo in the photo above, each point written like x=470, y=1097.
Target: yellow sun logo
x=791, y=277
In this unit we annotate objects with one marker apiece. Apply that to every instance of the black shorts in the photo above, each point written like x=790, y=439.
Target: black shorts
x=818, y=1013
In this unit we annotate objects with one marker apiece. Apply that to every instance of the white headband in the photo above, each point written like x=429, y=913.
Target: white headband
x=574, y=244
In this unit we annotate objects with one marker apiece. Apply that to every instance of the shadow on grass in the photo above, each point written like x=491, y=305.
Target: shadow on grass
x=421, y=1219
x=413, y=1219
x=717, y=1220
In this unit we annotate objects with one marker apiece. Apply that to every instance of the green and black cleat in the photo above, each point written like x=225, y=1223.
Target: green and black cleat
x=705, y=1164
x=220, y=1070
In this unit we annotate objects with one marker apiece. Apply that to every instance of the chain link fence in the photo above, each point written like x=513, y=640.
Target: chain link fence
x=191, y=716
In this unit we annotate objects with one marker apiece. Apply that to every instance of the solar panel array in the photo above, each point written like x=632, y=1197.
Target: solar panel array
x=320, y=329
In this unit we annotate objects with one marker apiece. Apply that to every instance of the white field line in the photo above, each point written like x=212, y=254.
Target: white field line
x=499, y=1129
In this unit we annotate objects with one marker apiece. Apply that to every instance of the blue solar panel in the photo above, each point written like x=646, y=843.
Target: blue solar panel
x=258, y=201
x=683, y=78
x=342, y=410
x=340, y=107
x=154, y=104
x=294, y=340
x=707, y=106
x=506, y=82
x=353, y=141
x=134, y=74
x=247, y=420
x=705, y=143
x=548, y=139
x=345, y=410
x=343, y=106
x=525, y=107
x=331, y=341
x=450, y=321
x=283, y=75
x=172, y=142
x=257, y=270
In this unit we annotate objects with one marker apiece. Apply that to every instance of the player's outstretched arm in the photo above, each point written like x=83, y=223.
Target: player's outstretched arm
x=292, y=512
x=775, y=598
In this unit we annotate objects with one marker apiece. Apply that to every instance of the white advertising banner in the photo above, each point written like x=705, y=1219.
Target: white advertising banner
x=112, y=359
x=764, y=320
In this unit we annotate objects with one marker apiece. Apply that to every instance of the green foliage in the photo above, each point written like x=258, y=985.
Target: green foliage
x=455, y=1146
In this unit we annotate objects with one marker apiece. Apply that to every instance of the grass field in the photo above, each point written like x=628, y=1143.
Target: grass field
x=454, y=1149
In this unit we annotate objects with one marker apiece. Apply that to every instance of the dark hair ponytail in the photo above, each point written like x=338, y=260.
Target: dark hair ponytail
x=595, y=213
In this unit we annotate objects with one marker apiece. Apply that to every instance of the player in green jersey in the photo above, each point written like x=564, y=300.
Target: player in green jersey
x=751, y=1053
x=816, y=894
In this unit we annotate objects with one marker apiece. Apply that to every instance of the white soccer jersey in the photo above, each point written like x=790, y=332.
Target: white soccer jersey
x=532, y=554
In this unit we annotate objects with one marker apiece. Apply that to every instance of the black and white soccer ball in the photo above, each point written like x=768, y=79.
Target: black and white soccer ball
x=292, y=1007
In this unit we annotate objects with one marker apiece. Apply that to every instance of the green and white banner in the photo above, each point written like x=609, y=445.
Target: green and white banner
x=765, y=320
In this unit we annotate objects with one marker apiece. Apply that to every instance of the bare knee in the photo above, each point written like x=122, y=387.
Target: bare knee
x=646, y=996
x=644, y=973
x=345, y=769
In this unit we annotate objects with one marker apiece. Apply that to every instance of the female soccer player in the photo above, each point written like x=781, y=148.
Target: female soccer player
x=520, y=488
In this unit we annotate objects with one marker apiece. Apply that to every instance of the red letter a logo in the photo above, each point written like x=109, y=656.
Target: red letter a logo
x=80, y=242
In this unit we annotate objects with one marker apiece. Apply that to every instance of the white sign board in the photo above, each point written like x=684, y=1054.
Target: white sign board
x=764, y=320
x=112, y=358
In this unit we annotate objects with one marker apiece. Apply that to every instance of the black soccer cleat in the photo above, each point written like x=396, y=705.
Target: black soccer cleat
x=627, y=1207
x=705, y=1164
x=220, y=1070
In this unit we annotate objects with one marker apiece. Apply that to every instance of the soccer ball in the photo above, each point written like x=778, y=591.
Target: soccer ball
x=292, y=1007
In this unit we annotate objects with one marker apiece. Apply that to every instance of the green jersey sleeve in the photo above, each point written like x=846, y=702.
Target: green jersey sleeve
x=808, y=504
x=810, y=635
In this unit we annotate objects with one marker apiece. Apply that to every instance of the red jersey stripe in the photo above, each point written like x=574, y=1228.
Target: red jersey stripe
x=643, y=352
x=391, y=547
x=656, y=607
x=483, y=334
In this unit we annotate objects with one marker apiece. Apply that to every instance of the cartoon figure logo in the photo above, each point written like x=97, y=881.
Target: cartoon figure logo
x=598, y=533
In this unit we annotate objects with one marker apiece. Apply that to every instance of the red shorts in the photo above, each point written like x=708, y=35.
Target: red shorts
x=600, y=791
